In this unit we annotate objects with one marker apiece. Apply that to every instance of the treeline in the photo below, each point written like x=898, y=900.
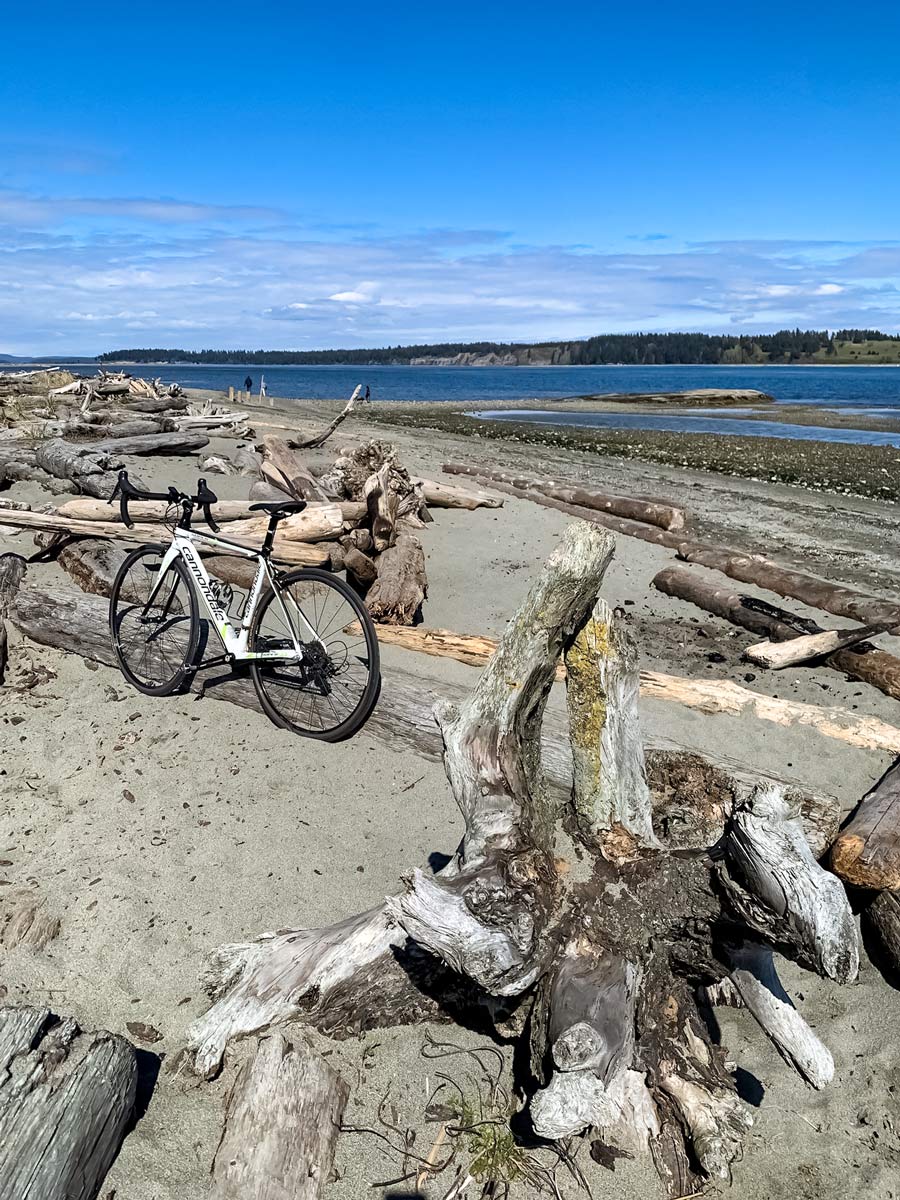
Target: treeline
x=643, y=349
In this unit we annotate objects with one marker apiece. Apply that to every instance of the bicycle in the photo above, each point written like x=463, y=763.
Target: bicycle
x=307, y=638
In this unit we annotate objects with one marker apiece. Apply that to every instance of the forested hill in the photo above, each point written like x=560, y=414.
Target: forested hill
x=644, y=349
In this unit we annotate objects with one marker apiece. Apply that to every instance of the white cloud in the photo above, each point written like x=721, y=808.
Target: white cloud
x=90, y=275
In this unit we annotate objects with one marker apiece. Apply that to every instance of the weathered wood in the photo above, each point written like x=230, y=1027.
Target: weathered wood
x=155, y=404
x=809, y=646
x=877, y=667
x=66, y=1098
x=651, y=512
x=396, y=595
x=282, y=1121
x=447, y=495
x=705, y=695
x=287, y=470
x=115, y=429
x=867, y=850
x=286, y=549
x=12, y=571
x=757, y=984
x=785, y=581
x=781, y=892
x=178, y=442
x=92, y=563
x=881, y=930
x=321, y=438
x=83, y=508
x=610, y=796
x=265, y=490
x=88, y=468
x=359, y=567
x=382, y=501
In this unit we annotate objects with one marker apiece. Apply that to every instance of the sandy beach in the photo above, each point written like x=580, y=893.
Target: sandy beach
x=158, y=829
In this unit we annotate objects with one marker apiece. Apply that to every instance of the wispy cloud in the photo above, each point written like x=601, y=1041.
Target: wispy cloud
x=89, y=274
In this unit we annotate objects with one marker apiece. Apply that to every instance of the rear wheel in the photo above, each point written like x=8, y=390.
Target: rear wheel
x=155, y=643
x=330, y=692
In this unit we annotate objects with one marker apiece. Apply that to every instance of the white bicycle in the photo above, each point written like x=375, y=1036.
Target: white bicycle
x=307, y=638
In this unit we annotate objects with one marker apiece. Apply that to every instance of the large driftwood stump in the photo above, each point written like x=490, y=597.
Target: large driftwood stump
x=599, y=919
x=12, y=571
x=395, y=597
x=65, y=1100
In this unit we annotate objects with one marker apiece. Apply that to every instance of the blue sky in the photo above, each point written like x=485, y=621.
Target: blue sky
x=273, y=175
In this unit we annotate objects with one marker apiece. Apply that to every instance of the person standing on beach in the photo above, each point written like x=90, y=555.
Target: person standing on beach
x=248, y=384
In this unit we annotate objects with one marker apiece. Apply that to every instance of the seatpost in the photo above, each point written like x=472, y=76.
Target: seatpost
x=269, y=540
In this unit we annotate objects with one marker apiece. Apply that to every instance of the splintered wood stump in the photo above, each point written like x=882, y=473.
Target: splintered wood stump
x=286, y=470
x=397, y=593
x=65, y=1100
x=594, y=916
x=282, y=1122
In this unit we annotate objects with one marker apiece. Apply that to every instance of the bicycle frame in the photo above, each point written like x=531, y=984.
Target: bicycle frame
x=234, y=640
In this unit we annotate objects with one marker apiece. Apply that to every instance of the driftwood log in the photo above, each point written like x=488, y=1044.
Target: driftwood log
x=286, y=470
x=705, y=695
x=745, y=568
x=88, y=469
x=321, y=438
x=72, y=621
x=287, y=548
x=867, y=850
x=65, y=1101
x=85, y=509
x=438, y=494
x=599, y=935
x=651, y=512
x=282, y=1121
x=877, y=667
x=396, y=595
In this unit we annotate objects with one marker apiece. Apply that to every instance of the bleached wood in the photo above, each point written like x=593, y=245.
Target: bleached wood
x=382, y=501
x=781, y=892
x=877, y=667
x=65, y=1100
x=12, y=572
x=447, y=495
x=282, y=1121
x=756, y=982
x=285, y=549
x=717, y=1121
x=342, y=416
x=778, y=655
x=287, y=470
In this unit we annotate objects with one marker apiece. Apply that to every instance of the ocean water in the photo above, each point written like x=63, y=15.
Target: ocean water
x=694, y=424
x=854, y=387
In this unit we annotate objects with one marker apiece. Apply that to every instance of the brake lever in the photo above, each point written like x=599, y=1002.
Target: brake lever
x=206, y=497
x=121, y=490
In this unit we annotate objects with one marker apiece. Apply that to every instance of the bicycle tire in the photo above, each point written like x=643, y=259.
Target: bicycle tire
x=267, y=678
x=179, y=667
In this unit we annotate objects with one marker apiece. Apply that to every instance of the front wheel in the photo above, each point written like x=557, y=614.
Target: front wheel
x=154, y=622
x=331, y=690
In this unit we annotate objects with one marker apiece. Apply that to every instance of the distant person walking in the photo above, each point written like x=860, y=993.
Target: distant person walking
x=248, y=384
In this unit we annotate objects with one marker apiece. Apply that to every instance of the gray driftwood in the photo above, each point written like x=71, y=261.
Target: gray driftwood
x=539, y=915
x=65, y=1101
x=282, y=1122
x=396, y=595
x=651, y=512
x=12, y=571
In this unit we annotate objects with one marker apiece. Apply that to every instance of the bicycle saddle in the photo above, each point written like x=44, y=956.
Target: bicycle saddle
x=282, y=508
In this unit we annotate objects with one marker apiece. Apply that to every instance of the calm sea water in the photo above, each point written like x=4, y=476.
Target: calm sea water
x=871, y=389
x=866, y=387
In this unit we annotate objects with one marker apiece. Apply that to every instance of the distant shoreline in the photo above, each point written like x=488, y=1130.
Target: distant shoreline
x=20, y=365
